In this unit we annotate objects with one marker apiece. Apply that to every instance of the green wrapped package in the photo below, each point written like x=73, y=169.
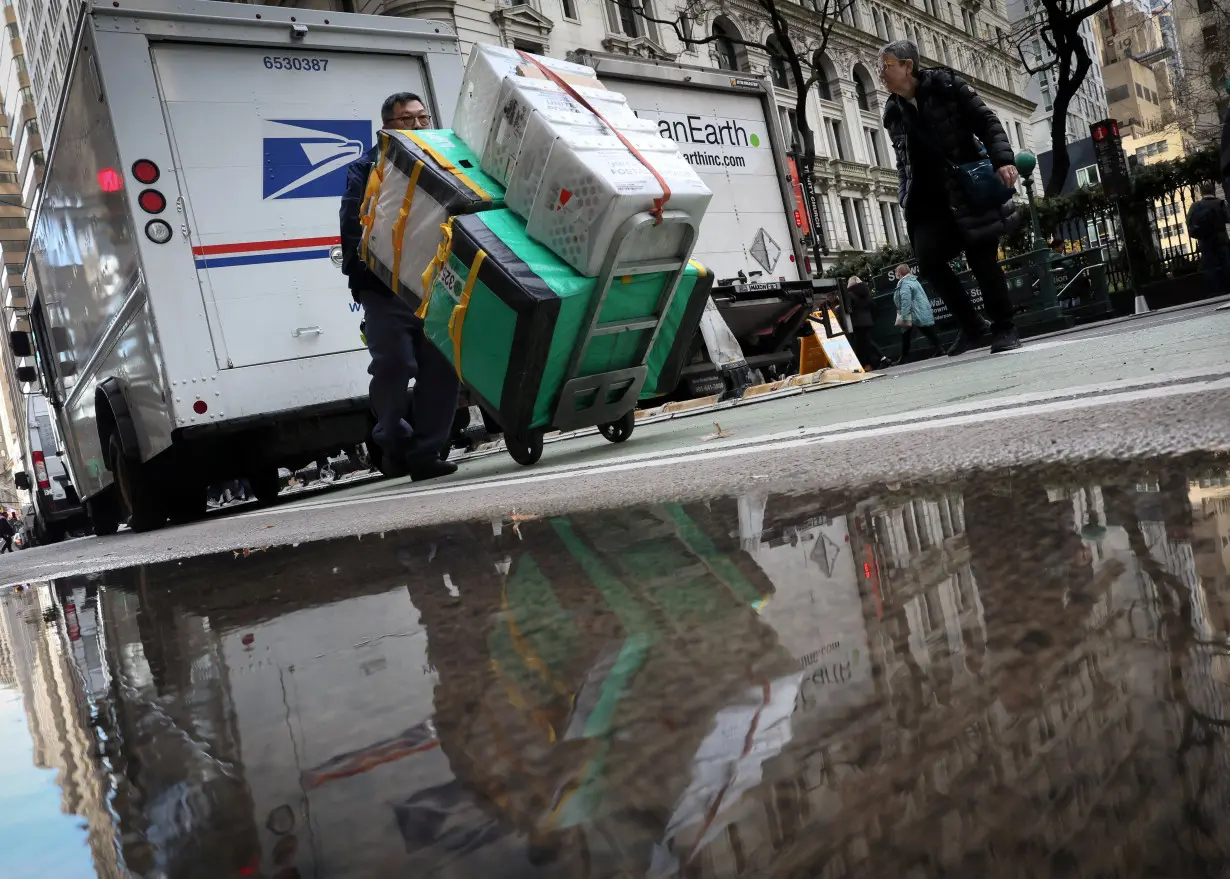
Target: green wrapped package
x=524, y=313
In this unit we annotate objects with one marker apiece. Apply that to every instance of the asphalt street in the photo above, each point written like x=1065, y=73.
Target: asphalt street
x=1151, y=385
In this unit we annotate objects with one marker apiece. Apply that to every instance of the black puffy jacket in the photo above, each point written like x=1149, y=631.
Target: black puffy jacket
x=951, y=115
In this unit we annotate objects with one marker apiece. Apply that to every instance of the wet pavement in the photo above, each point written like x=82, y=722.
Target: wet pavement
x=1023, y=673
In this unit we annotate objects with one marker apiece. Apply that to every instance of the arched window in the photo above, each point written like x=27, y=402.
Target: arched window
x=724, y=45
x=863, y=89
x=778, y=69
x=825, y=76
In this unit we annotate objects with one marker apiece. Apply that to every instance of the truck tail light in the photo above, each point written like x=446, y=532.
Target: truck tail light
x=152, y=201
x=40, y=470
x=145, y=171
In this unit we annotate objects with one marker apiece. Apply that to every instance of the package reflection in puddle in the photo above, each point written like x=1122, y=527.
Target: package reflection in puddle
x=734, y=687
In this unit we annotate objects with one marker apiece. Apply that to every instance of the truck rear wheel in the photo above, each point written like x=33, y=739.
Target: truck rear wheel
x=139, y=500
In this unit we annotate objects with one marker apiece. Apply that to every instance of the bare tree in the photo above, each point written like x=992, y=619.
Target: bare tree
x=797, y=39
x=1059, y=28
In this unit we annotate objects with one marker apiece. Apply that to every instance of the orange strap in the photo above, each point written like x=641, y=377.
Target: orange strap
x=658, y=203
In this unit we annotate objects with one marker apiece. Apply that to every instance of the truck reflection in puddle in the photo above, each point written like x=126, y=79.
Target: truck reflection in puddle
x=993, y=678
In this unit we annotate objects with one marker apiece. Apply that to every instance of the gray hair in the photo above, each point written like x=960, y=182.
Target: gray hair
x=902, y=50
x=904, y=269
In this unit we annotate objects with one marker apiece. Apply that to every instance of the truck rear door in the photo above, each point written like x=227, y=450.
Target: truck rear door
x=262, y=139
x=724, y=135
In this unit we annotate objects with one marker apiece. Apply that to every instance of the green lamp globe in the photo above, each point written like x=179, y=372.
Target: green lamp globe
x=1025, y=162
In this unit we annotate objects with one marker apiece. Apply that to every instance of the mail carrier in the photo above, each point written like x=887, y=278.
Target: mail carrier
x=190, y=319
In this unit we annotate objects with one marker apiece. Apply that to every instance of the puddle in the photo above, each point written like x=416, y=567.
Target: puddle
x=1024, y=674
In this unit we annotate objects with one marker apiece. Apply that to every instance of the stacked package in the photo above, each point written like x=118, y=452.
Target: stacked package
x=540, y=173
x=507, y=312
x=419, y=181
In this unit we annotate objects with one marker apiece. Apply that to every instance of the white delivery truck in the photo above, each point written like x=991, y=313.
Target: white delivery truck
x=57, y=509
x=728, y=127
x=190, y=320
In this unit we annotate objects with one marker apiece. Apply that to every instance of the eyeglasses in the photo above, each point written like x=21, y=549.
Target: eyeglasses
x=885, y=62
x=410, y=119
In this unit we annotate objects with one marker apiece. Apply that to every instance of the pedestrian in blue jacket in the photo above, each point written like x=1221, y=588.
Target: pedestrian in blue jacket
x=914, y=310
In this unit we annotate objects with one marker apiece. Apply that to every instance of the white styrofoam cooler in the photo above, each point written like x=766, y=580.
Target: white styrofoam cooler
x=523, y=99
x=480, y=88
x=590, y=185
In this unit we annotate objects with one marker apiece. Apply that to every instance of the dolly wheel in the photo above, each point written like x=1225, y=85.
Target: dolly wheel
x=619, y=430
x=525, y=449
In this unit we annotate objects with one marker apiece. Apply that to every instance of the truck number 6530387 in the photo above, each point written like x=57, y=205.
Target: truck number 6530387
x=317, y=64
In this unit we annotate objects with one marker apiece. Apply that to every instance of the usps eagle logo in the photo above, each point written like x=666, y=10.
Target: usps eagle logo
x=307, y=158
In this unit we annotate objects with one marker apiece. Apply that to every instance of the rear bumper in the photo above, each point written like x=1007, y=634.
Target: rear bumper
x=286, y=418
x=289, y=438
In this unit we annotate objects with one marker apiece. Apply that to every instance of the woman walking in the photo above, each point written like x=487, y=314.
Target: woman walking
x=914, y=310
x=940, y=129
x=862, y=318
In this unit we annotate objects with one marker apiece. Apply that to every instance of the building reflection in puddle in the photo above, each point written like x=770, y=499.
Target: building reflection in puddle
x=1021, y=675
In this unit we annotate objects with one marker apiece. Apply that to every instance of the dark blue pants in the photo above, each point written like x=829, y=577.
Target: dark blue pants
x=400, y=352
x=1215, y=263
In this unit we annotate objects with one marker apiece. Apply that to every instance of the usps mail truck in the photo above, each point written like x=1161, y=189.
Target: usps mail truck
x=190, y=321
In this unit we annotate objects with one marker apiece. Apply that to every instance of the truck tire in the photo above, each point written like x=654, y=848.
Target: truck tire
x=104, y=510
x=138, y=499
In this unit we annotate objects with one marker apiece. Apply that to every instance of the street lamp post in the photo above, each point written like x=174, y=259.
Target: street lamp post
x=1040, y=252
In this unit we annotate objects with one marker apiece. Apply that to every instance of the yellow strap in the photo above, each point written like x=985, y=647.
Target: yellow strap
x=399, y=225
x=457, y=320
x=700, y=269
x=443, y=250
x=371, y=195
x=447, y=165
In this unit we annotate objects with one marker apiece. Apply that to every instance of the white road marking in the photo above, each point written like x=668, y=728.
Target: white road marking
x=999, y=409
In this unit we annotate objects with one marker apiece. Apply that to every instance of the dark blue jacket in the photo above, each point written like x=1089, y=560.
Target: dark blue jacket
x=360, y=277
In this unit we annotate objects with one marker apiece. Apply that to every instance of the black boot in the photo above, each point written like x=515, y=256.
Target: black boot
x=1005, y=340
x=965, y=341
x=431, y=468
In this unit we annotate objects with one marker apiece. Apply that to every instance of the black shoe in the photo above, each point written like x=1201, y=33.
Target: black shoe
x=1005, y=340
x=964, y=342
x=431, y=468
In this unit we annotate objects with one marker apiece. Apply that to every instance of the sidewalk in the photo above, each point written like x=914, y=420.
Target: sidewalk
x=1159, y=348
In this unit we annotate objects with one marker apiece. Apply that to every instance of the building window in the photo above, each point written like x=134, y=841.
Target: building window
x=821, y=66
x=837, y=148
x=790, y=127
x=778, y=70
x=860, y=93
x=886, y=219
x=853, y=224
x=725, y=46
x=898, y=226
x=878, y=18
x=1087, y=176
x=1046, y=93
x=873, y=147
x=569, y=8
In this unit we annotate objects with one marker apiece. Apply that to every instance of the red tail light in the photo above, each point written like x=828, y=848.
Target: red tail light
x=145, y=171
x=40, y=470
x=152, y=201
